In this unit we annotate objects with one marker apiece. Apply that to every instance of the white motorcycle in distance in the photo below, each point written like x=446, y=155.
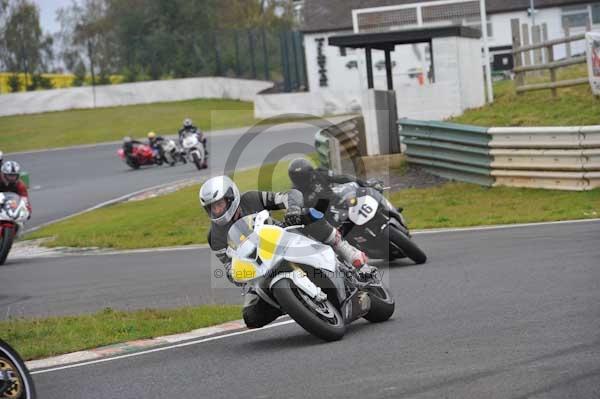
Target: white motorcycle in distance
x=194, y=150
x=13, y=213
x=170, y=151
x=303, y=277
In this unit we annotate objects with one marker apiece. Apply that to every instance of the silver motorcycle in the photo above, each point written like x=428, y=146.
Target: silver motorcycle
x=194, y=149
x=303, y=277
x=13, y=213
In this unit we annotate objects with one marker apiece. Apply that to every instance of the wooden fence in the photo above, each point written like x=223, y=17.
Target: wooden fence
x=543, y=57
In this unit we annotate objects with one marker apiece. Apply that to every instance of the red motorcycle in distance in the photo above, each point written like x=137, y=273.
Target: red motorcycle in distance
x=137, y=155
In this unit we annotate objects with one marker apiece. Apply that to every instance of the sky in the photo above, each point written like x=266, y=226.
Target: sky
x=48, y=13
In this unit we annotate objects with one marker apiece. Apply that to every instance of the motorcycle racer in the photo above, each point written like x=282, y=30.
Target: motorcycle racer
x=315, y=184
x=222, y=201
x=10, y=181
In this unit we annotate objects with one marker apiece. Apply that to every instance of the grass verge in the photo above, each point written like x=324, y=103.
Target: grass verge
x=40, y=338
x=464, y=205
x=176, y=219
x=574, y=106
x=74, y=127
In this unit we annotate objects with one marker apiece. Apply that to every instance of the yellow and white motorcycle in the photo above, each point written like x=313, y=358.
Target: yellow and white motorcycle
x=303, y=277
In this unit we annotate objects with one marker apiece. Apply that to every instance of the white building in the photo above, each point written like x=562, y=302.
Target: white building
x=333, y=71
x=337, y=76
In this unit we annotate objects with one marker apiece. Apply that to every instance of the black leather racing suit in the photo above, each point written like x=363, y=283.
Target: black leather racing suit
x=319, y=186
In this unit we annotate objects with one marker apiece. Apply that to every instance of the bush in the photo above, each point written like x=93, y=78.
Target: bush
x=129, y=75
x=14, y=83
x=104, y=78
x=79, y=73
x=40, y=82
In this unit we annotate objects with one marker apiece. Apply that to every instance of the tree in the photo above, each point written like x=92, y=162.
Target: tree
x=24, y=47
x=86, y=35
x=79, y=72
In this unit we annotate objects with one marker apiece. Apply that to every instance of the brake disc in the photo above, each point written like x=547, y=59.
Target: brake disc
x=14, y=388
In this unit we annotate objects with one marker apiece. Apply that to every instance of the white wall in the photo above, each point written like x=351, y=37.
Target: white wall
x=458, y=86
x=130, y=93
x=317, y=103
x=341, y=77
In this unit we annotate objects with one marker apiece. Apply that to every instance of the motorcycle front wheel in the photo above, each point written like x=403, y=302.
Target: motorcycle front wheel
x=321, y=319
x=6, y=242
x=15, y=380
x=382, y=304
x=408, y=247
x=197, y=161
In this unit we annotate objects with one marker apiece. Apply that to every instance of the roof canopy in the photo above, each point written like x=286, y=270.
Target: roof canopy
x=387, y=40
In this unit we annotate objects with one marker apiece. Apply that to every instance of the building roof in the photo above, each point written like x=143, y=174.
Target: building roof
x=388, y=40
x=334, y=15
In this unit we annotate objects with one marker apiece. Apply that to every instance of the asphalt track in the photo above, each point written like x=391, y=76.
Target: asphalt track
x=67, y=181
x=507, y=313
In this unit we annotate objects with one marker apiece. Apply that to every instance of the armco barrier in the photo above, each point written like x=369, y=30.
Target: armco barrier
x=453, y=151
x=565, y=158
x=337, y=145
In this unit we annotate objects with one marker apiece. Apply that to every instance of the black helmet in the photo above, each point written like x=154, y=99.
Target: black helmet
x=301, y=172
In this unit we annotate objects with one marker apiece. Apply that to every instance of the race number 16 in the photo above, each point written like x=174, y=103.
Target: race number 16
x=365, y=210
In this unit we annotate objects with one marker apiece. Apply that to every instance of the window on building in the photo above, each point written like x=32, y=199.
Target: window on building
x=575, y=16
x=596, y=13
x=342, y=51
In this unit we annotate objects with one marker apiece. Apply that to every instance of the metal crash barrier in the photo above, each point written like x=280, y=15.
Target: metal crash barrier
x=565, y=158
x=340, y=146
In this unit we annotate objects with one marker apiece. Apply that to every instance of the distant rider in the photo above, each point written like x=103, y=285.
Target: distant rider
x=129, y=143
x=155, y=142
x=221, y=199
x=10, y=181
x=188, y=127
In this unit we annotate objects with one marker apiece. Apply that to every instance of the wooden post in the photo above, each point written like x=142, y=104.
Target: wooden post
x=526, y=42
x=516, y=43
x=550, y=50
x=545, y=39
x=568, y=44
x=537, y=38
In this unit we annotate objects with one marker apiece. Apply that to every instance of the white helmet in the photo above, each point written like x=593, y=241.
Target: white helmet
x=217, y=189
x=187, y=122
x=11, y=171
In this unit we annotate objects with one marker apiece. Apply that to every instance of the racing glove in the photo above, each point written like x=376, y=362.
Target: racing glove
x=293, y=216
x=376, y=184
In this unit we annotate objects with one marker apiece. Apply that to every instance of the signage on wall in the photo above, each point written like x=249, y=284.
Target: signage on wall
x=322, y=63
x=593, y=56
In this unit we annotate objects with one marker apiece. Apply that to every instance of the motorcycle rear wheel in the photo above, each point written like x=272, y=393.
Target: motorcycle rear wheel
x=21, y=384
x=132, y=164
x=6, y=242
x=293, y=303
